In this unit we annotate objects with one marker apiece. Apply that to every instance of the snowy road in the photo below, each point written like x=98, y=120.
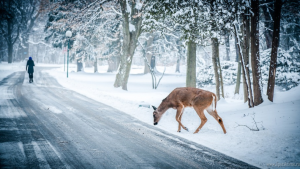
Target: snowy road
x=43, y=125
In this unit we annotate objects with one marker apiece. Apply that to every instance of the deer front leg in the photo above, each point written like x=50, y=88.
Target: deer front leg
x=202, y=117
x=217, y=117
x=178, y=119
x=179, y=126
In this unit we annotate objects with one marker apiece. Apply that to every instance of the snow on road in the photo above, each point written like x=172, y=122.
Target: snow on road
x=276, y=143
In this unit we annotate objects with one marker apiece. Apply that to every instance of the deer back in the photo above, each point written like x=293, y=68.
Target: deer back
x=188, y=97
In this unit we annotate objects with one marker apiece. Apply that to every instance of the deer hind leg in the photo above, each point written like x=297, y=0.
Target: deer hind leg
x=202, y=117
x=178, y=119
x=217, y=117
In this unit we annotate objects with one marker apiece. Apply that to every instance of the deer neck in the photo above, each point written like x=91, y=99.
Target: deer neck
x=163, y=107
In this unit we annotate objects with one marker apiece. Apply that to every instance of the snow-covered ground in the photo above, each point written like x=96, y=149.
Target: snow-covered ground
x=7, y=69
x=276, y=144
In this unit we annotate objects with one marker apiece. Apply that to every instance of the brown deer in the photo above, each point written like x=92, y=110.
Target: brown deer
x=183, y=97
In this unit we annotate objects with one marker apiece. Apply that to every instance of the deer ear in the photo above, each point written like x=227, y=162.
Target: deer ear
x=154, y=108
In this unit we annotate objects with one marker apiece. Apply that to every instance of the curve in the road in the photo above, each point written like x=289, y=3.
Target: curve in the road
x=43, y=125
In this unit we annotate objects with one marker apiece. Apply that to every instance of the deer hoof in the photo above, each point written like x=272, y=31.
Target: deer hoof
x=196, y=132
x=178, y=131
x=186, y=129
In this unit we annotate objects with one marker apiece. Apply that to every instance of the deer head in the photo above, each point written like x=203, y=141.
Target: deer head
x=156, y=115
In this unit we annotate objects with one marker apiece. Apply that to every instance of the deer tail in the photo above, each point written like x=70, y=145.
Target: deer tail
x=214, y=102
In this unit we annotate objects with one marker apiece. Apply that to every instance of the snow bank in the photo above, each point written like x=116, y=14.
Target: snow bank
x=7, y=69
x=276, y=142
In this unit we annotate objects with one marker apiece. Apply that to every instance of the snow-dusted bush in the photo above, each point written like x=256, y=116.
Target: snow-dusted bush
x=287, y=71
x=288, y=67
x=205, y=73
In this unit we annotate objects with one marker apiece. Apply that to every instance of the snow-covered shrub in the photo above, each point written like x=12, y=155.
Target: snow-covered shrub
x=287, y=71
x=288, y=68
x=205, y=73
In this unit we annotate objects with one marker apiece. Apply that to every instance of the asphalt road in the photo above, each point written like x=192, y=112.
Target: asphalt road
x=43, y=125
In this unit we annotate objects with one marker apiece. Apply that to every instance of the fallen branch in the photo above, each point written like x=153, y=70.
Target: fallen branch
x=252, y=129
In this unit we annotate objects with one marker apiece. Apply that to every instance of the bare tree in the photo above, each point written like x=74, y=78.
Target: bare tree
x=10, y=23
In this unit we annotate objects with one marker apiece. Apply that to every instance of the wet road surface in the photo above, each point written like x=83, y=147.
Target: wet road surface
x=43, y=125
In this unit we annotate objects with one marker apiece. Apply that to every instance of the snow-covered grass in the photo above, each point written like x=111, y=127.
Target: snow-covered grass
x=277, y=142
x=7, y=69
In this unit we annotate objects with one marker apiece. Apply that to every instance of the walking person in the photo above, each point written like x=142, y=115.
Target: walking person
x=30, y=64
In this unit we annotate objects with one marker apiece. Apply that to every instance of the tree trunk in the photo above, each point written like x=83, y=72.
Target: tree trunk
x=79, y=64
x=15, y=58
x=191, y=64
x=255, y=53
x=153, y=63
x=128, y=65
x=96, y=65
x=148, y=53
x=246, y=50
x=268, y=14
x=113, y=63
x=178, y=64
x=1, y=48
x=9, y=41
x=178, y=54
x=130, y=37
x=215, y=56
x=245, y=87
x=275, y=43
x=239, y=70
x=245, y=70
x=125, y=47
x=37, y=53
x=10, y=52
x=227, y=44
x=243, y=44
x=220, y=75
x=238, y=79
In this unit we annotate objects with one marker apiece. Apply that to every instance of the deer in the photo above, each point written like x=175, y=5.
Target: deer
x=183, y=97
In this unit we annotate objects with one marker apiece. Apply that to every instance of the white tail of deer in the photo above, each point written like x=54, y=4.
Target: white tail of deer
x=183, y=97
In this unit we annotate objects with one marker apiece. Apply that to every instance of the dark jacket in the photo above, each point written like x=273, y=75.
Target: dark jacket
x=30, y=64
